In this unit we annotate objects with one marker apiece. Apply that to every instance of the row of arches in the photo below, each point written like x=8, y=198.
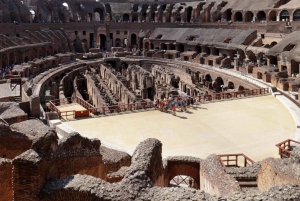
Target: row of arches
x=18, y=56
x=261, y=16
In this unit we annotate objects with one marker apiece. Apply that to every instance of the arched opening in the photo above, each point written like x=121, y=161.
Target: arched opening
x=133, y=39
x=163, y=46
x=134, y=17
x=50, y=50
x=227, y=15
x=126, y=18
x=98, y=15
x=259, y=75
x=144, y=12
x=248, y=16
x=117, y=17
x=289, y=47
x=208, y=78
x=261, y=16
x=42, y=52
x=272, y=15
x=189, y=14
x=217, y=84
x=296, y=15
x=135, y=7
x=238, y=17
x=172, y=47
x=102, y=41
x=118, y=42
x=241, y=88
x=151, y=46
x=294, y=67
x=230, y=85
x=18, y=57
x=273, y=44
x=217, y=16
x=180, y=48
x=273, y=60
x=284, y=15
x=33, y=53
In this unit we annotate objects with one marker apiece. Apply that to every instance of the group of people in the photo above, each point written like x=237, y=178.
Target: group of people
x=178, y=102
x=7, y=70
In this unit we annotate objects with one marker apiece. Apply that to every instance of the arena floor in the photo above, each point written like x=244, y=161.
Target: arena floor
x=251, y=126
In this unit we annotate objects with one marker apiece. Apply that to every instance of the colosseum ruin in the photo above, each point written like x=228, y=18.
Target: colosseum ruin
x=149, y=100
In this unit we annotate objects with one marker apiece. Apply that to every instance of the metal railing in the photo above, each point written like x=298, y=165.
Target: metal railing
x=285, y=148
x=234, y=160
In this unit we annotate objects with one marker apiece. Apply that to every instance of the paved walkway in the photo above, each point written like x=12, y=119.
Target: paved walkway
x=251, y=126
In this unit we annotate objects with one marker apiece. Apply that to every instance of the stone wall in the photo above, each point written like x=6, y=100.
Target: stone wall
x=277, y=172
x=50, y=158
x=6, y=189
x=213, y=178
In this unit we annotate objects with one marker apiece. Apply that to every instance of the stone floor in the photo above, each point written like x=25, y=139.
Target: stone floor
x=251, y=126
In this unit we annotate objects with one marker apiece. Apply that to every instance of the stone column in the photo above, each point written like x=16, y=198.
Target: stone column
x=34, y=102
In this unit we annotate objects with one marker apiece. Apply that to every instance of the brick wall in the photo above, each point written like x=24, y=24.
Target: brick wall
x=6, y=190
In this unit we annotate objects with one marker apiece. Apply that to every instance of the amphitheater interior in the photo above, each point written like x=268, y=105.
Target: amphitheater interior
x=67, y=63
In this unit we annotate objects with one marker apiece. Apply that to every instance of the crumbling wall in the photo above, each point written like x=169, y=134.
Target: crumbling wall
x=213, y=178
x=49, y=158
x=6, y=190
x=276, y=172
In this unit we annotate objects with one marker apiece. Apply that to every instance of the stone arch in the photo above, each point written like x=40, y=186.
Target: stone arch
x=208, y=78
x=144, y=12
x=238, y=17
x=273, y=44
x=248, y=17
x=163, y=46
x=252, y=56
x=230, y=85
x=273, y=60
x=218, y=83
x=172, y=47
x=33, y=53
x=133, y=39
x=296, y=15
x=102, y=40
x=284, y=15
x=134, y=17
x=261, y=16
x=189, y=11
x=153, y=12
x=288, y=47
x=227, y=15
x=184, y=168
x=100, y=13
x=241, y=88
x=272, y=15
x=126, y=17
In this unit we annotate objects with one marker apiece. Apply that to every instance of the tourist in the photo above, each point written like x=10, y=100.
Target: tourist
x=192, y=101
x=184, y=105
x=173, y=108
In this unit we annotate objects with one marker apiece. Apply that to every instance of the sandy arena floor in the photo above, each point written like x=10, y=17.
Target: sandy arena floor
x=251, y=126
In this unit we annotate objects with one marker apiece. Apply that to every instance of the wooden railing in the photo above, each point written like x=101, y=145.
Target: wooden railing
x=285, y=148
x=233, y=160
x=104, y=110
